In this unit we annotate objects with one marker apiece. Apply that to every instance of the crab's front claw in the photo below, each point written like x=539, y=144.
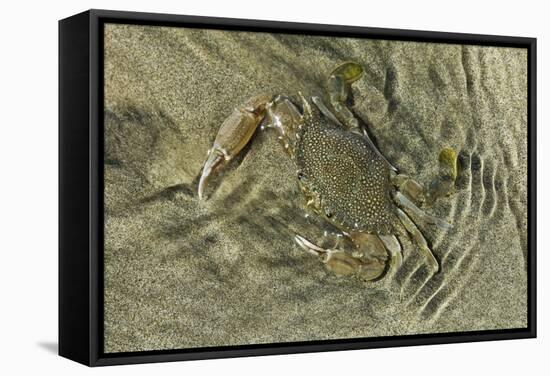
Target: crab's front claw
x=234, y=133
x=343, y=263
x=216, y=157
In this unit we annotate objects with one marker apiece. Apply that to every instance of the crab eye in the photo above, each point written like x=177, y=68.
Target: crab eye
x=301, y=175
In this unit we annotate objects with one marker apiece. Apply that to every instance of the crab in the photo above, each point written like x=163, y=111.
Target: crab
x=345, y=180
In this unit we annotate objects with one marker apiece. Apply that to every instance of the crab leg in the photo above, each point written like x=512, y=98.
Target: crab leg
x=339, y=89
x=234, y=133
x=308, y=246
x=419, y=239
x=410, y=187
x=394, y=248
x=430, y=219
x=442, y=185
x=283, y=116
x=337, y=261
x=343, y=263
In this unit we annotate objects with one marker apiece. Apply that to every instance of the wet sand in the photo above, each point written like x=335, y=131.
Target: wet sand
x=183, y=273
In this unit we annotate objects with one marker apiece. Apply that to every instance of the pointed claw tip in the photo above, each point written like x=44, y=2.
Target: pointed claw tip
x=214, y=159
x=308, y=246
x=300, y=241
x=202, y=182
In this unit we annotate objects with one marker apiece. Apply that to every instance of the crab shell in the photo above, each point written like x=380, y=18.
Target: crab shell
x=349, y=179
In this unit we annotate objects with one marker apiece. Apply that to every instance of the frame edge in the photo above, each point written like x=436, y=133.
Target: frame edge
x=74, y=247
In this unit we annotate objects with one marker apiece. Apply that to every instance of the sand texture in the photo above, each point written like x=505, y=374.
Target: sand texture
x=183, y=273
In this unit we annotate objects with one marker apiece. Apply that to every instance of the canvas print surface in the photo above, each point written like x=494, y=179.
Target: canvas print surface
x=265, y=188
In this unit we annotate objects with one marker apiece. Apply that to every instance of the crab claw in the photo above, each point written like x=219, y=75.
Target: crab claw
x=337, y=261
x=308, y=246
x=342, y=263
x=216, y=156
x=234, y=133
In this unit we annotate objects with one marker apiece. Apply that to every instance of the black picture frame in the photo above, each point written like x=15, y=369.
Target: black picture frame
x=81, y=189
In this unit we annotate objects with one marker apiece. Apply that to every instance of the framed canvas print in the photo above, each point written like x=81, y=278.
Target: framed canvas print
x=237, y=187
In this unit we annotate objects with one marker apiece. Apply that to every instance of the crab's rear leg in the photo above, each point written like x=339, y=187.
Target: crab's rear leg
x=407, y=204
x=442, y=185
x=234, y=133
x=339, y=90
x=419, y=240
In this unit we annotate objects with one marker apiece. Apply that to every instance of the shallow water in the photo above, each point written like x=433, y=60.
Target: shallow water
x=182, y=273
